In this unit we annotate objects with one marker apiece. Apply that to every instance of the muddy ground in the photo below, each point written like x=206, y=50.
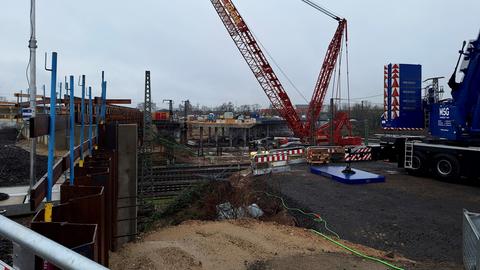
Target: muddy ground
x=417, y=217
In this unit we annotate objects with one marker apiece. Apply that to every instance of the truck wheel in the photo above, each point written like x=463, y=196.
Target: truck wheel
x=419, y=164
x=446, y=167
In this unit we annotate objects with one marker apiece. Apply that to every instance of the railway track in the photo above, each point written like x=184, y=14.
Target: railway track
x=171, y=181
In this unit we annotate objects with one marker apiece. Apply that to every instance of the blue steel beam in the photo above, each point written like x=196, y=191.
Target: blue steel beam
x=90, y=120
x=103, y=109
x=72, y=131
x=82, y=120
x=51, y=138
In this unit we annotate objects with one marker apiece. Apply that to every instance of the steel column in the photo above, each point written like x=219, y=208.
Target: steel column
x=90, y=121
x=82, y=119
x=32, y=88
x=72, y=130
x=51, y=138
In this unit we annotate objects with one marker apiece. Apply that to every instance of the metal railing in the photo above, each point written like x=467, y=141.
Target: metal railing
x=45, y=248
x=471, y=240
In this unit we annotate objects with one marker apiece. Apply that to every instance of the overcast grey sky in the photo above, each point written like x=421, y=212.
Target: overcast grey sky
x=191, y=56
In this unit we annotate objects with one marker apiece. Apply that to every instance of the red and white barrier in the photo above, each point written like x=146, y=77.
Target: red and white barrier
x=403, y=129
x=359, y=154
x=271, y=162
x=295, y=155
x=271, y=158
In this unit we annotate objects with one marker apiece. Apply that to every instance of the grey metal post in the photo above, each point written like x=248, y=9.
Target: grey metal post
x=216, y=140
x=170, y=108
x=209, y=134
x=201, y=142
x=244, y=138
x=332, y=115
x=32, y=88
x=366, y=132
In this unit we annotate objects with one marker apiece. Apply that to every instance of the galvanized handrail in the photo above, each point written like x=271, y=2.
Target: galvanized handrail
x=45, y=248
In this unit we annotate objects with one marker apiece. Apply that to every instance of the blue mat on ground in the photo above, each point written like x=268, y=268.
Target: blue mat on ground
x=335, y=173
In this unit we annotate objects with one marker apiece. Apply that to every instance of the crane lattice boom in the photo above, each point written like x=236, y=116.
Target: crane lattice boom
x=271, y=85
x=258, y=63
x=325, y=76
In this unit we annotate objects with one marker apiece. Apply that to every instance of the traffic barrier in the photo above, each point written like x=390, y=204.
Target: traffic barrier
x=403, y=129
x=323, y=154
x=271, y=158
x=295, y=155
x=363, y=153
x=269, y=163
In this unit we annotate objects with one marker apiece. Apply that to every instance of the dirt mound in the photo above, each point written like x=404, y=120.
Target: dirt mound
x=240, y=244
x=201, y=203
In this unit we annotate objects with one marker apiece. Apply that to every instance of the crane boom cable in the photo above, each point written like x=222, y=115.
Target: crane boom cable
x=339, y=84
x=278, y=66
x=252, y=53
x=334, y=81
x=251, y=50
x=322, y=9
x=348, y=71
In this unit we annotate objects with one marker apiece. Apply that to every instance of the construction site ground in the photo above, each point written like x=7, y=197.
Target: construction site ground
x=414, y=222
x=419, y=218
x=240, y=244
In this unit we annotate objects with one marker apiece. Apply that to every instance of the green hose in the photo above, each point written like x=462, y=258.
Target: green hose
x=318, y=219
x=355, y=252
x=315, y=216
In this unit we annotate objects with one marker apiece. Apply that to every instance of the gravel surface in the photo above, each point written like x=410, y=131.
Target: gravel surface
x=15, y=161
x=419, y=218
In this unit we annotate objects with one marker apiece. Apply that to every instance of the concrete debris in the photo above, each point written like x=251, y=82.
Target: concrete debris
x=227, y=211
x=254, y=211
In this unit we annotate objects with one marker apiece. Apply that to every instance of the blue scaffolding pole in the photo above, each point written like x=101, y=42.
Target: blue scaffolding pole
x=90, y=120
x=72, y=131
x=104, y=98
x=51, y=138
x=82, y=120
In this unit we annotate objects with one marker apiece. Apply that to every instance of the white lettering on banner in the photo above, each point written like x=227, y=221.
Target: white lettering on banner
x=444, y=112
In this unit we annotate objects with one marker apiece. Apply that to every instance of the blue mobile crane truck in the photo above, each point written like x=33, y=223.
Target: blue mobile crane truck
x=451, y=149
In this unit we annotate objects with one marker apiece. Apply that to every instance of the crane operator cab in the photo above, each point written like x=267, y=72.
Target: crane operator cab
x=458, y=118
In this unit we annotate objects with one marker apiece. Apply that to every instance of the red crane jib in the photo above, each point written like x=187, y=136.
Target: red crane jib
x=325, y=75
x=271, y=85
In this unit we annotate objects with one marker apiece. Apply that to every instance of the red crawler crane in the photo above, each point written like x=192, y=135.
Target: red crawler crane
x=271, y=85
